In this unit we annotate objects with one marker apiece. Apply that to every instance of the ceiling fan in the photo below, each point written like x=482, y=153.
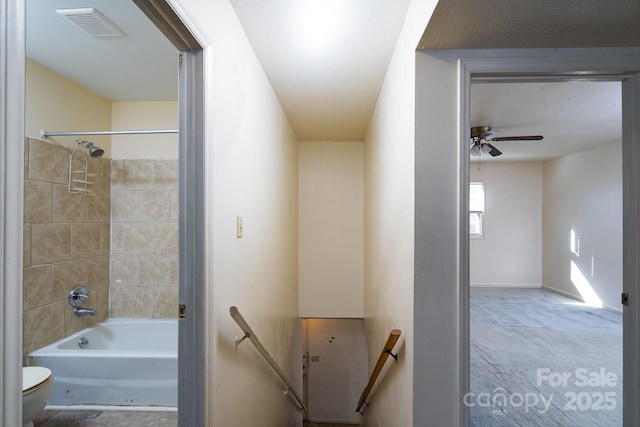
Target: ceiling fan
x=482, y=136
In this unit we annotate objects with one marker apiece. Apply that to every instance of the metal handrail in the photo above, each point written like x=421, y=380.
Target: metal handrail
x=248, y=333
x=386, y=352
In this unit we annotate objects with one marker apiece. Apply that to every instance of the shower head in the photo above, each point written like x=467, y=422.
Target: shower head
x=95, y=152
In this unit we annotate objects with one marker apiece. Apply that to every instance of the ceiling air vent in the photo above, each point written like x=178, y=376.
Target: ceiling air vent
x=91, y=22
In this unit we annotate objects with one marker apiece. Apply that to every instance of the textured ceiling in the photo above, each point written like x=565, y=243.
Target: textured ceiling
x=474, y=24
x=572, y=116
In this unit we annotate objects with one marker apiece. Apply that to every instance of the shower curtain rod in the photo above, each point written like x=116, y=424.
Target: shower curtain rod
x=45, y=133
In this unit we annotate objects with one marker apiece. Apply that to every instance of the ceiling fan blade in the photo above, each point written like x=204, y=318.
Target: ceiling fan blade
x=518, y=138
x=494, y=151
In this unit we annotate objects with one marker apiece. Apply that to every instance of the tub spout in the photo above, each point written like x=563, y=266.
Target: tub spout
x=84, y=311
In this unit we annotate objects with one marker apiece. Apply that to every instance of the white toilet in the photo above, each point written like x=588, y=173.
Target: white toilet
x=37, y=385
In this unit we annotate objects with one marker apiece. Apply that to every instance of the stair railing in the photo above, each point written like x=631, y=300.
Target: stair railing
x=384, y=355
x=248, y=333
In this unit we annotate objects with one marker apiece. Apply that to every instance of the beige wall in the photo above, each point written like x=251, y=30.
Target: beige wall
x=389, y=225
x=251, y=163
x=56, y=104
x=146, y=115
x=66, y=243
x=330, y=253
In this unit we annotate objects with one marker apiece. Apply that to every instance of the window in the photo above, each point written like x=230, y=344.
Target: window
x=476, y=208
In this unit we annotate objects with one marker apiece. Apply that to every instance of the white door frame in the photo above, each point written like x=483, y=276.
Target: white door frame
x=191, y=294
x=192, y=186
x=12, y=68
x=441, y=311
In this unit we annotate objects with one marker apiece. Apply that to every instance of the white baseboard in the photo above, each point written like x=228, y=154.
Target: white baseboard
x=578, y=298
x=563, y=293
x=506, y=285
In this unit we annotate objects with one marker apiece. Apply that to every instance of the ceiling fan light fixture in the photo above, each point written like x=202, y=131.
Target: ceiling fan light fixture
x=482, y=137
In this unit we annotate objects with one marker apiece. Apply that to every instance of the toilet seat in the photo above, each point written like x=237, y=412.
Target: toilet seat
x=34, y=378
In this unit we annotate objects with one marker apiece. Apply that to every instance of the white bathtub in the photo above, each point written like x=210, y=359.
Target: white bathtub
x=132, y=362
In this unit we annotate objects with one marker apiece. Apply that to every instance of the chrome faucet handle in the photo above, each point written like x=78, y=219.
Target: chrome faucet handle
x=78, y=296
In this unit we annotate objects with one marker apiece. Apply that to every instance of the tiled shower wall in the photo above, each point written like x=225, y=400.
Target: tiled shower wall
x=66, y=243
x=144, y=260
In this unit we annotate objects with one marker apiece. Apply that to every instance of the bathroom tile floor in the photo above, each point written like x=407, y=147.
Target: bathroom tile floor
x=310, y=424
x=88, y=418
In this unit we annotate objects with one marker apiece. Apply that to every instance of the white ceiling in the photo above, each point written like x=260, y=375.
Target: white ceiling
x=329, y=91
x=572, y=116
x=140, y=66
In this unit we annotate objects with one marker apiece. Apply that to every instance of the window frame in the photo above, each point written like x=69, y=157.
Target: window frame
x=478, y=212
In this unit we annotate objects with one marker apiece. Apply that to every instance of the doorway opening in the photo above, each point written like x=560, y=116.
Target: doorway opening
x=539, y=308
x=334, y=372
x=186, y=296
x=443, y=82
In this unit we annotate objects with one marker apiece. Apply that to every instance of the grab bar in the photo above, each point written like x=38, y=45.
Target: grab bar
x=386, y=352
x=248, y=333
